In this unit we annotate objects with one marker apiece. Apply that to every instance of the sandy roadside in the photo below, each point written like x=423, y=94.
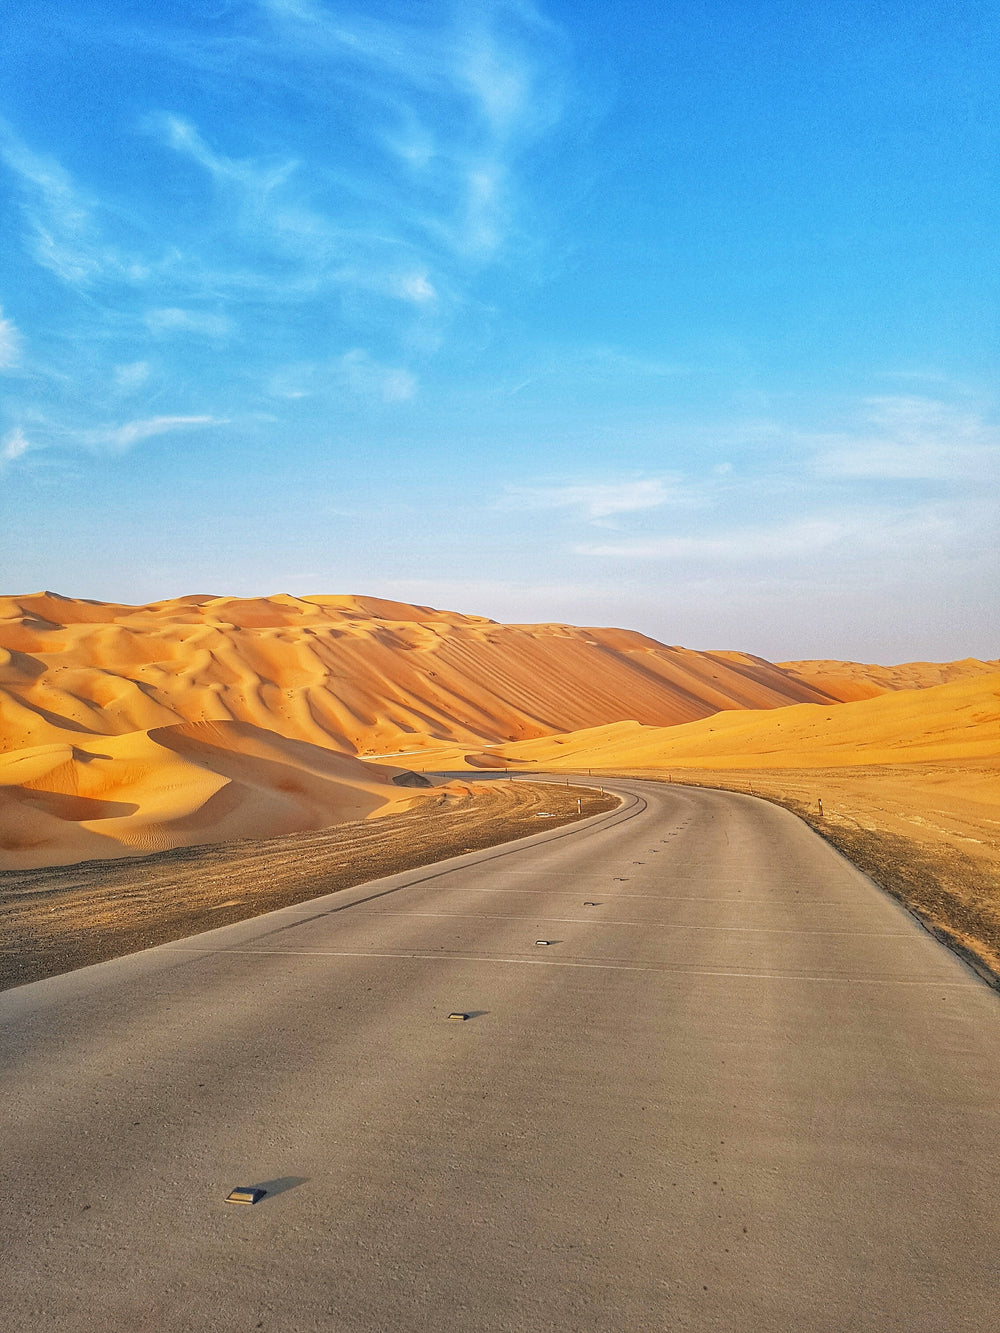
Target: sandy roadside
x=59, y=918
x=927, y=834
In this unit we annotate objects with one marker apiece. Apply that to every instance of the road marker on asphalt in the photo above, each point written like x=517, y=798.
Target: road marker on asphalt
x=458, y=1017
x=245, y=1194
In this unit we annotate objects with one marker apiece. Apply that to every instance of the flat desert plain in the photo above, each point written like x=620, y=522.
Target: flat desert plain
x=136, y=731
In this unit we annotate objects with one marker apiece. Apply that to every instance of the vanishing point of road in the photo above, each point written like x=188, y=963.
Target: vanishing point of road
x=739, y=1088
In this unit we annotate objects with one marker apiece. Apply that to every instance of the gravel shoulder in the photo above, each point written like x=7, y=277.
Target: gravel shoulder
x=59, y=918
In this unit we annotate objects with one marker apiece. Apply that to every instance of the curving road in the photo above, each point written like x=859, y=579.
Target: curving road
x=741, y=1091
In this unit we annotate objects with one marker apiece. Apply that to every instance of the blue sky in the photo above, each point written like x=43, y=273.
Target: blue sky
x=678, y=316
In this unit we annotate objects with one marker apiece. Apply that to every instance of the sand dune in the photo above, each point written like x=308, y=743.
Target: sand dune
x=350, y=673
x=960, y=720
x=849, y=681
x=179, y=786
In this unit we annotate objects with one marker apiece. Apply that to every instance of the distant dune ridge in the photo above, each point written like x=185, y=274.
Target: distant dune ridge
x=959, y=720
x=850, y=681
x=129, y=729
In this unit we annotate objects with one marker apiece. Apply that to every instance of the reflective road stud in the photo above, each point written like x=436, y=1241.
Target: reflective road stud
x=245, y=1194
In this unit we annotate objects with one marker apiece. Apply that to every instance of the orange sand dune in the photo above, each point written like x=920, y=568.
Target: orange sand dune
x=848, y=681
x=355, y=674
x=960, y=720
x=178, y=786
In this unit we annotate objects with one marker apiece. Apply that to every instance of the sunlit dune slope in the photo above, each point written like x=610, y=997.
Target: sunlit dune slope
x=848, y=681
x=178, y=786
x=960, y=720
x=356, y=674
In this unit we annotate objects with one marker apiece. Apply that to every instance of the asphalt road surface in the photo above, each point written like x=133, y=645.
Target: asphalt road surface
x=742, y=1090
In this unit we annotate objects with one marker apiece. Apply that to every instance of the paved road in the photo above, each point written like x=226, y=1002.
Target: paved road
x=744, y=1091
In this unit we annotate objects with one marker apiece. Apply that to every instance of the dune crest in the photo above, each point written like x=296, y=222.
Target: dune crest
x=851, y=681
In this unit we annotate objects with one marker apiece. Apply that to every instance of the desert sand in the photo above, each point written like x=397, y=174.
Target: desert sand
x=179, y=786
x=354, y=674
x=849, y=681
x=957, y=721
x=128, y=730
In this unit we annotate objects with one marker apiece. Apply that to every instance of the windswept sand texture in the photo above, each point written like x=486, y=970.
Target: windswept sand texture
x=354, y=674
x=130, y=729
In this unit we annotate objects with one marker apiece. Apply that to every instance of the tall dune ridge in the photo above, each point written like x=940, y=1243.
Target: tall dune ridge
x=131, y=729
x=355, y=674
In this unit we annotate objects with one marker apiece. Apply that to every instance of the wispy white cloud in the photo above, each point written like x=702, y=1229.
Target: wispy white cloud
x=453, y=95
x=416, y=286
x=597, y=500
x=627, y=365
x=854, y=534
x=118, y=439
x=356, y=372
x=57, y=439
x=367, y=378
x=250, y=176
x=383, y=165
x=907, y=438
x=62, y=232
x=131, y=376
x=265, y=213
x=15, y=445
x=172, y=319
x=10, y=343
